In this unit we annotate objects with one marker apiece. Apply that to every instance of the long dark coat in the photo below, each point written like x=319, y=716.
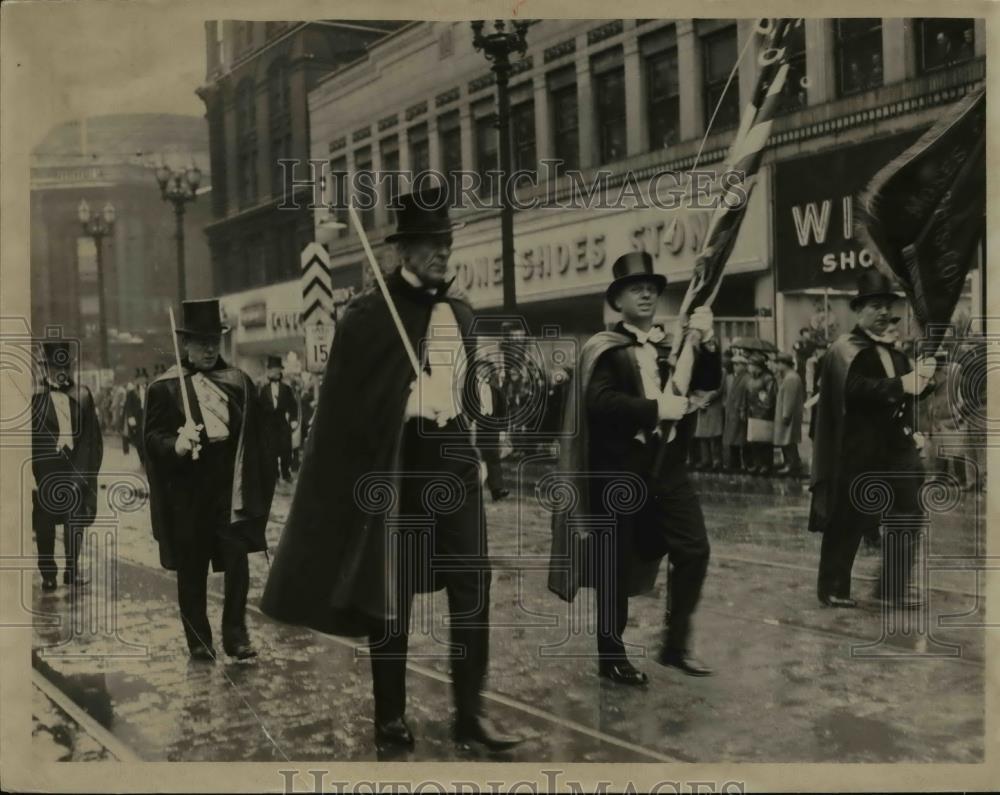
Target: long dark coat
x=332, y=570
x=277, y=419
x=603, y=414
x=81, y=465
x=734, y=429
x=864, y=421
x=175, y=484
x=134, y=409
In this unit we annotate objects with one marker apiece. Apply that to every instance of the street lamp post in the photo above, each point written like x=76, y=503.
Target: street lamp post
x=97, y=226
x=179, y=187
x=498, y=47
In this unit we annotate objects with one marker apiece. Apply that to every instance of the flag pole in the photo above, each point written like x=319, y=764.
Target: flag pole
x=377, y=272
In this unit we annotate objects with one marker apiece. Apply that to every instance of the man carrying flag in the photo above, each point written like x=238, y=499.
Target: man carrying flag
x=210, y=481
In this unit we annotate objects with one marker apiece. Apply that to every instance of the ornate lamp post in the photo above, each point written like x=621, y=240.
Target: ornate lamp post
x=97, y=226
x=498, y=47
x=179, y=187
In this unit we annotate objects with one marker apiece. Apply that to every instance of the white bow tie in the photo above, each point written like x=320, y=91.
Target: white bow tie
x=655, y=335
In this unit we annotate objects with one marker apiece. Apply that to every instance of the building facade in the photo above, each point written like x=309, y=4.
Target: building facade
x=637, y=96
x=108, y=159
x=257, y=81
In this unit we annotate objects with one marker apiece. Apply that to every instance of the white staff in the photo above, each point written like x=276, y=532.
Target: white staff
x=189, y=427
x=412, y=354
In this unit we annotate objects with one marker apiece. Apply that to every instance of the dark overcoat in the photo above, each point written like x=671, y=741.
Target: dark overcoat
x=277, y=419
x=176, y=484
x=80, y=466
x=332, y=570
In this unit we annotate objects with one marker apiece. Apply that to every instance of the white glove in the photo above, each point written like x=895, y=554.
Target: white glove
x=703, y=321
x=916, y=381
x=295, y=424
x=672, y=407
x=926, y=367
x=187, y=439
x=131, y=422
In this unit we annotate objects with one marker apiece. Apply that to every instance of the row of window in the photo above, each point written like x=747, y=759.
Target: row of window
x=279, y=131
x=858, y=57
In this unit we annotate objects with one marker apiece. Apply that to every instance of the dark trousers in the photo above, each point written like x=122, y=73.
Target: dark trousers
x=790, y=454
x=494, y=469
x=192, y=585
x=850, y=525
x=449, y=547
x=735, y=456
x=279, y=447
x=44, y=523
x=761, y=455
x=674, y=515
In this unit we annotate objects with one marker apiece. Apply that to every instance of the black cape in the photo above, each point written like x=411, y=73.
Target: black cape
x=331, y=570
x=173, y=481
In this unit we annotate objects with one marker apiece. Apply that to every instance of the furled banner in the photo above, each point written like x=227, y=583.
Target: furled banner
x=925, y=213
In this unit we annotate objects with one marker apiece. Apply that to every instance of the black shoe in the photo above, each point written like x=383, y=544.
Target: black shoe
x=74, y=579
x=241, y=649
x=394, y=732
x=624, y=673
x=838, y=601
x=49, y=582
x=499, y=494
x=203, y=654
x=481, y=731
x=683, y=662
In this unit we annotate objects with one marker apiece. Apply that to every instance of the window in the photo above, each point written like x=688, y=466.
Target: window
x=486, y=146
x=859, y=54
x=943, y=42
x=256, y=272
x=565, y=118
x=389, y=149
x=336, y=193
x=280, y=121
x=522, y=133
x=420, y=150
x=719, y=54
x=363, y=162
x=794, y=94
x=662, y=88
x=246, y=141
x=609, y=104
x=450, y=142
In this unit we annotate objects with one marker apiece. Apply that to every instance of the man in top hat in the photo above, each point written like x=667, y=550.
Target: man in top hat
x=349, y=561
x=210, y=481
x=135, y=407
x=611, y=443
x=280, y=411
x=66, y=454
x=864, y=425
x=788, y=415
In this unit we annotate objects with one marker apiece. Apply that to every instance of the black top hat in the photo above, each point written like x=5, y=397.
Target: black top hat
x=57, y=352
x=274, y=361
x=632, y=267
x=423, y=213
x=785, y=358
x=873, y=284
x=140, y=372
x=202, y=318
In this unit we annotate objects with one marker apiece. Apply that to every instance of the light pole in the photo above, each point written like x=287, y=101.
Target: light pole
x=498, y=47
x=179, y=187
x=97, y=226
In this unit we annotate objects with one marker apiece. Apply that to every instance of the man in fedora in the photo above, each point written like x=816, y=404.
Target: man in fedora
x=349, y=561
x=611, y=442
x=66, y=454
x=864, y=425
x=280, y=412
x=210, y=481
x=135, y=407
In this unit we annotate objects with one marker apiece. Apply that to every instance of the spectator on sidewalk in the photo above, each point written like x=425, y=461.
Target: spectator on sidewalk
x=734, y=431
x=759, y=407
x=709, y=426
x=788, y=415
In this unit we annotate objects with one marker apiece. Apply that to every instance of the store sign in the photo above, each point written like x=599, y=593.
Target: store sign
x=254, y=315
x=814, y=240
x=552, y=258
x=285, y=324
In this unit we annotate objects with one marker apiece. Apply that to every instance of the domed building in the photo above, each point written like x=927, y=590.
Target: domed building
x=111, y=160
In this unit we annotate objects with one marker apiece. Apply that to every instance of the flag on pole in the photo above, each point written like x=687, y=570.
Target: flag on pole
x=924, y=213
x=745, y=155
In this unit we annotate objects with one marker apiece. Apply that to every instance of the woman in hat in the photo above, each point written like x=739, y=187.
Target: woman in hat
x=759, y=409
x=210, y=482
x=708, y=430
x=734, y=431
x=788, y=415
